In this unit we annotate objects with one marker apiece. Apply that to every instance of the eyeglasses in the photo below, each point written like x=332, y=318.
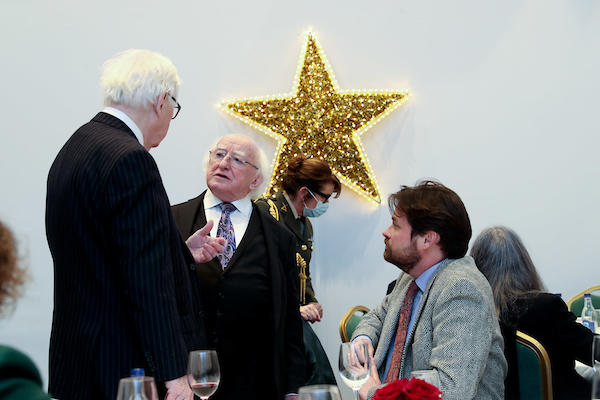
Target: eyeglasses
x=177, y=107
x=323, y=195
x=219, y=155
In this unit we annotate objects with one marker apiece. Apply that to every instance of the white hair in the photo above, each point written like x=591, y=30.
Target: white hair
x=262, y=163
x=137, y=77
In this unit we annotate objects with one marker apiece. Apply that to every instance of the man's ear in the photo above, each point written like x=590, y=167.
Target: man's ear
x=160, y=103
x=256, y=182
x=430, y=238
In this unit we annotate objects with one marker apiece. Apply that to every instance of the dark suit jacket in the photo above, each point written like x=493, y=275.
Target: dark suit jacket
x=545, y=317
x=19, y=378
x=278, y=207
x=124, y=295
x=288, y=351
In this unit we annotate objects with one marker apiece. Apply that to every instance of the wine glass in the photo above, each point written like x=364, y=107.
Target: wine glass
x=354, y=365
x=203, y=372
x=319, y=392
x=137, y=388
x=428, y=375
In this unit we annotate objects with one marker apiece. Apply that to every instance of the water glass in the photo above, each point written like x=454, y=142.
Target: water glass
x=319, y=392
x=137, y=388
x=596, y=350
x=204, y=373
x=354, y=365
x=596, y=382
x=428, y=375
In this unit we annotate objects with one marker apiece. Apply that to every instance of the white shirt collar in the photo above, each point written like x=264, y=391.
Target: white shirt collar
x=128, y=121
x=242, y=205
x=285, y=195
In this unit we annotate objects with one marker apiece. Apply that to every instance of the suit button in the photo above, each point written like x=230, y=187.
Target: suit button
x=221, y=296
x=193, y=267
x=304, y=247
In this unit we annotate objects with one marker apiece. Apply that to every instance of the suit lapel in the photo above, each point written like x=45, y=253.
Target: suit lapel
x=254, y=220
x=422, y=302
x=198, y=216
x=277, y=283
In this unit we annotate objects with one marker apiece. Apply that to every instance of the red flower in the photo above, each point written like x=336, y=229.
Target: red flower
x=404, y=389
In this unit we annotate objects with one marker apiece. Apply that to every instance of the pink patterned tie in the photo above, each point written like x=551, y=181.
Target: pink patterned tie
x=225, y=230
x=401, y=333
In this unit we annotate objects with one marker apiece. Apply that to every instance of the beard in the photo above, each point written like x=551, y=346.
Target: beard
x=405, y=259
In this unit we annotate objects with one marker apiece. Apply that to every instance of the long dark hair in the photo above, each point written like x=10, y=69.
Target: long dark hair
x=502, y=257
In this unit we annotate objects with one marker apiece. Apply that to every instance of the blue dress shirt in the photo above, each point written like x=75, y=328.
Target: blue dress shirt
x=421, y=282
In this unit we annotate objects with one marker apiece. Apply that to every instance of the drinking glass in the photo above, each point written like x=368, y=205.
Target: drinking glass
x=595, y=350
x=428, y=375
x=596, y=382
x=137, y=388
x=203, y=372
x=319, y=392
x=354, y=365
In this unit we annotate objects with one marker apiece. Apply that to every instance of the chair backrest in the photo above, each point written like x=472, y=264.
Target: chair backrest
x=535, y=375
x=350, y=321
x=575, y=303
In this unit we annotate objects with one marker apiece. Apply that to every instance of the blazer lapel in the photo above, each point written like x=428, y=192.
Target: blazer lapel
x=422, y=303
x=198, y=216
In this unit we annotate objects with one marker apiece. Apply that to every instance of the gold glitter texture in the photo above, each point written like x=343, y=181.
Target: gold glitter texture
x=320, y=120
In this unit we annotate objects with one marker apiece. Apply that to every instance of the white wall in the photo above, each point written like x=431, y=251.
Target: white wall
x=504, y=111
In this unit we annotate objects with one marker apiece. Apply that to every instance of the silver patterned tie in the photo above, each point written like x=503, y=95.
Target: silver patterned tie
x=225, y=230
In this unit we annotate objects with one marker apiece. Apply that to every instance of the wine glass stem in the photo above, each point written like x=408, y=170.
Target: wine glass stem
x=356, y=395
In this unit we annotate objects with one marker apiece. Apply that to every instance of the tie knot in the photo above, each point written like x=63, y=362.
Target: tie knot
x=412, y=289
x=227, y=207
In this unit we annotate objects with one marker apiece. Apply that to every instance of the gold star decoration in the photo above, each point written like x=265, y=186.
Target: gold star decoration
x=319, y=120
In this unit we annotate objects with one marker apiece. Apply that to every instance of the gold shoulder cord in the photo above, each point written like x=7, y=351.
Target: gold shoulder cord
x=273, y=209
x=302, y=275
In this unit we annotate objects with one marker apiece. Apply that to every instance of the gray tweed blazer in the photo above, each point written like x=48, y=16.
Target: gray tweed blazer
x=456, y=332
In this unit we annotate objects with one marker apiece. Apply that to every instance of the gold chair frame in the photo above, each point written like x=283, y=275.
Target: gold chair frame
x=542, y=355
x=346, y=318
x=580, y=295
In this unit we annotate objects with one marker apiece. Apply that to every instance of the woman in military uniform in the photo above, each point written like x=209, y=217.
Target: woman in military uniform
x=305, y=191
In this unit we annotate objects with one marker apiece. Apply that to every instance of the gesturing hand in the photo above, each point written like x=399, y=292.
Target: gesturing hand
x=203, y=247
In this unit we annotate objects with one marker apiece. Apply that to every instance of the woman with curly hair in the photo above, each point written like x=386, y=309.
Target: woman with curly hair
x=19, y=378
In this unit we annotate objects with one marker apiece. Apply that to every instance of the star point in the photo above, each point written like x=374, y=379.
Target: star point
x=318, y=119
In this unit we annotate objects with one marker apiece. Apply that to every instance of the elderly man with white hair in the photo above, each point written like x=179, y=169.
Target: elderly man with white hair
x=250, y=289
x=124, y=293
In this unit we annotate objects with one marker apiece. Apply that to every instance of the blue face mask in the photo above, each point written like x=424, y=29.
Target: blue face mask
x=319, y=209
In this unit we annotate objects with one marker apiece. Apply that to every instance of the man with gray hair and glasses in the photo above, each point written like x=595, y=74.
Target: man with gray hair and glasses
x=124, y=296
x=250, y=290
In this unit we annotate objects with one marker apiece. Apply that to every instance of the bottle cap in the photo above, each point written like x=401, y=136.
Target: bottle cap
x=138, y=372
x=587, y=295
x=558, y=294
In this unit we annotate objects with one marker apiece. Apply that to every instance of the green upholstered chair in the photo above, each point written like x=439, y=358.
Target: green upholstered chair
x=350, y=321
x=575, y=303
x=535, y=375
